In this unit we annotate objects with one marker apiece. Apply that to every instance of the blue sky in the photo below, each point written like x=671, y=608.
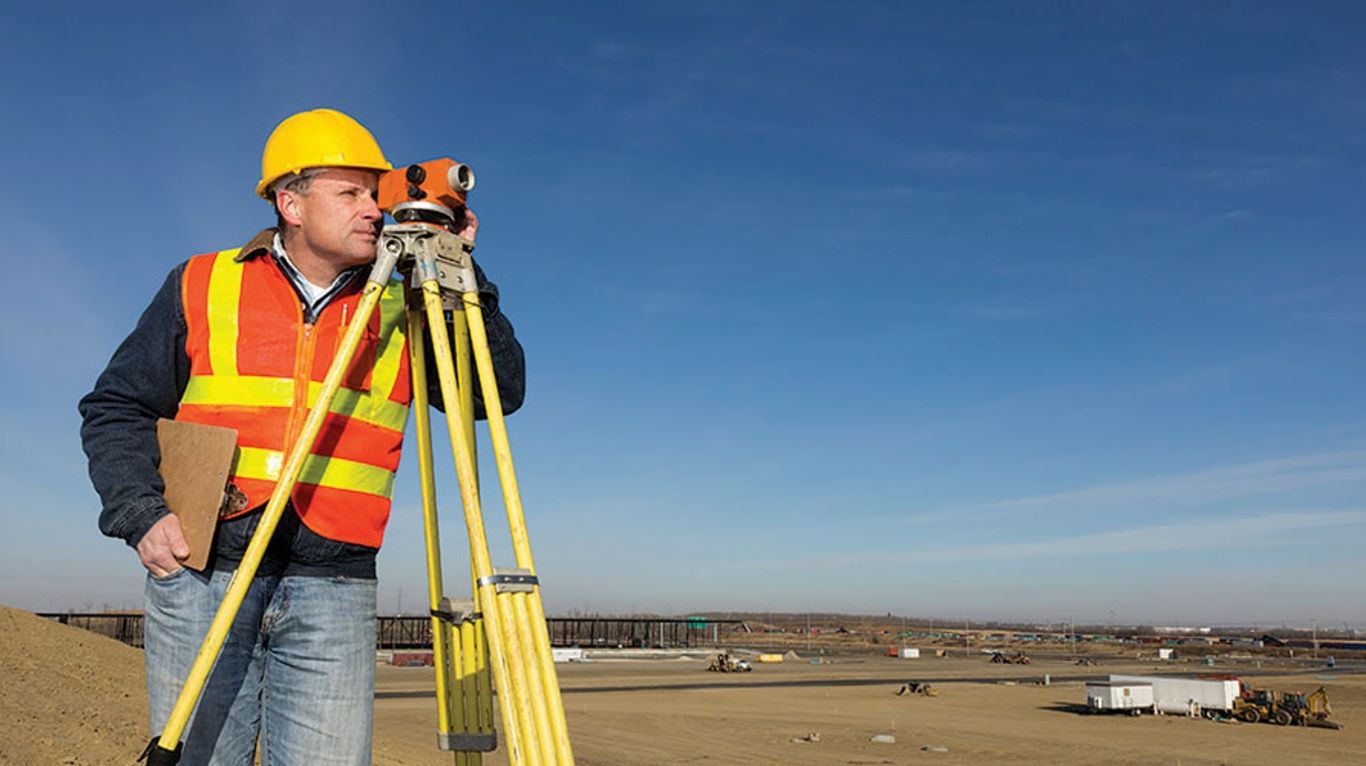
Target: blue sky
x=1018, y=310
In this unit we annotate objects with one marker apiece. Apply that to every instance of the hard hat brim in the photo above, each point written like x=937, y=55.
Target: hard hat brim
x=265, y=183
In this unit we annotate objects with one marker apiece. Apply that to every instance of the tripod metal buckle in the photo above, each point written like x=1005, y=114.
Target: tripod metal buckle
x=425, y=252
x=456, y=612
x=510, y=581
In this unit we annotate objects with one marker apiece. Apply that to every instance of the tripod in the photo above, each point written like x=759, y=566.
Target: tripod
x=499, y=638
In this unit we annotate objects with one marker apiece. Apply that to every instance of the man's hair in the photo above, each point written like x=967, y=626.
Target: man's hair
x=299, y=183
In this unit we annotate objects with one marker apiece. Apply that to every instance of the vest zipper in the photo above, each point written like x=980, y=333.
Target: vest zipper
x=303, y=366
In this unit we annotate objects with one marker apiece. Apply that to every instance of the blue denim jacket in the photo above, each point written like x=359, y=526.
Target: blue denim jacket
x=144, y=381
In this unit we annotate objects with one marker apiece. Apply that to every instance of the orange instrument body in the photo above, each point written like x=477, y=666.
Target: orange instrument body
x=443, y=182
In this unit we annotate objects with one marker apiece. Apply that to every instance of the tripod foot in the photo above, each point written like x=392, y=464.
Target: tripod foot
x=156, y=755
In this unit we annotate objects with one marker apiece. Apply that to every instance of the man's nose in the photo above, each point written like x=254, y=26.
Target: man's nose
x=371, y=211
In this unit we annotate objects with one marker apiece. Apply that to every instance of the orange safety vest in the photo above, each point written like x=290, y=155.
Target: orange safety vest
x=257, y=367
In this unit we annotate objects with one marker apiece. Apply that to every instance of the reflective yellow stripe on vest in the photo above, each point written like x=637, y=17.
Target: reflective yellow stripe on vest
x=225, y=295
x=389, y=356
x=256, y=391
x=334, y=472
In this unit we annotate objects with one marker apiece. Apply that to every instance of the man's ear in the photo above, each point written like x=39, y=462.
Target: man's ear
x=287, y=203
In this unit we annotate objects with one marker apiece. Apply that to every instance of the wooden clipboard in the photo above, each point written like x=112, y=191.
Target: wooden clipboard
x=196, y=461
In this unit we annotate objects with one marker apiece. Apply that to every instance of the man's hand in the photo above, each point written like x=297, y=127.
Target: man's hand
x=471, y=225
x=163, y=547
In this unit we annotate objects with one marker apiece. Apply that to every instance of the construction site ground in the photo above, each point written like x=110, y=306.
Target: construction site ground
x=70, y=698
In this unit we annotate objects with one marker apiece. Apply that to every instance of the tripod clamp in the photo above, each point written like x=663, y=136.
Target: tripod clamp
x=423, y=252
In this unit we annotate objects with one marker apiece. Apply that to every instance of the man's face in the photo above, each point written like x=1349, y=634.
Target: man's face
x=338, y=217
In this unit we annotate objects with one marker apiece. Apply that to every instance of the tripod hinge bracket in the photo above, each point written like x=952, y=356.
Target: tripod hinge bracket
x=430, y=253
x=510, y=581
x=456, y=612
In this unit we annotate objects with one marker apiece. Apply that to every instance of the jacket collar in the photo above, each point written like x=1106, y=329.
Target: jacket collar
x=261, y=243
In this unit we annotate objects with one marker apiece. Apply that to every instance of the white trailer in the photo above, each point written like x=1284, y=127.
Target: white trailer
x=570, y=654
x=1133, y=697
x=1188, y=696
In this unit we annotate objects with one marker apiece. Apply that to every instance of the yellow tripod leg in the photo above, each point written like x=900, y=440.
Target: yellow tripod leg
x=516, y=716
x=532, y=615
x=540, y=709
x=476, y=686
x=169, y=739
x=464, y=373
x=509, y=600
x=481, y=675
x=457, y=654
x=442, y=657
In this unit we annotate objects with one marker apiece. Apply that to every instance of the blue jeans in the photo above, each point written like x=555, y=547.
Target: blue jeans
x=297, y=668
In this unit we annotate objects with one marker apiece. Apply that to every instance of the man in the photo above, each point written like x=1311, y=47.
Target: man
x=236, y=338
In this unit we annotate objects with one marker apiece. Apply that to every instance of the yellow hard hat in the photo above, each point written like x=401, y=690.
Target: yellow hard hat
x=318, y=138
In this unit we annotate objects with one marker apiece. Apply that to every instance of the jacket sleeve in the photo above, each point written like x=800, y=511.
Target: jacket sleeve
x=509, y=361
x=143, y=381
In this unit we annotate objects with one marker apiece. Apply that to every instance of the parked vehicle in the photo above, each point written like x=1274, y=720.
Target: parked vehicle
x=725, y=663
x=1189, y=696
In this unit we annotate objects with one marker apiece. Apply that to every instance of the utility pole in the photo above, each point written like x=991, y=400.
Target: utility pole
x=808, y=632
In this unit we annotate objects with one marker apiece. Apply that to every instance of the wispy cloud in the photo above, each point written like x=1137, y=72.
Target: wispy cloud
x=1001, y=311
x=1309, y=295
x=1011, y=131
x=1223, y=533
x=1186, y=490
x=945, y=161
x=609, y=50
x=1237, y=216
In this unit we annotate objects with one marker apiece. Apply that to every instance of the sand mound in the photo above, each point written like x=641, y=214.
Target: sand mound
x=68, y=697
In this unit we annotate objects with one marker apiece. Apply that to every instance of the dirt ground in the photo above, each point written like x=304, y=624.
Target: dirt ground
x=68, y=697
x=71, y=698
x=651, y=712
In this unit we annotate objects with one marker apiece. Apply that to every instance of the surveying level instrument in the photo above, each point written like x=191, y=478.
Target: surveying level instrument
x=498, y=638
